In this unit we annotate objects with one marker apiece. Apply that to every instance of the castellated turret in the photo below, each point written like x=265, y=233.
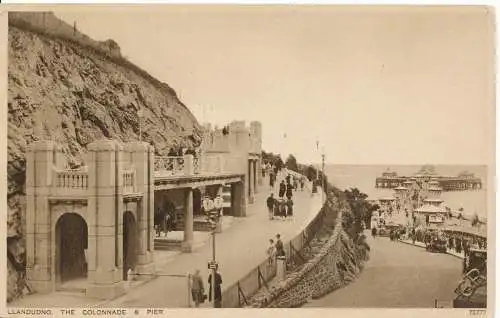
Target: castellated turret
x=234, y=138
x=256, y=135
x=239, y=137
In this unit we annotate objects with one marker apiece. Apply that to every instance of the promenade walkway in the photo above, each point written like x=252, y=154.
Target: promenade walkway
x=240, y=248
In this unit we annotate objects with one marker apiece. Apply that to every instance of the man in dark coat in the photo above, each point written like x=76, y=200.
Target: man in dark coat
x=289, y=189
x=282, y=189
x=280, y=249
x=218, y=291
x=289, y=208
x=272, y=178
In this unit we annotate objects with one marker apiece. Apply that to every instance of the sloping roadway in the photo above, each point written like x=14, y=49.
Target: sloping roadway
x=398, y=275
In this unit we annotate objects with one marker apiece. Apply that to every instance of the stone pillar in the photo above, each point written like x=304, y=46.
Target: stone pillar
x=187, y=244
x=256, y=175
x=39, y=172
x=260, y=179
x=238, y=199
x=142, y=160
x=281, y=268
x=104, y=219
x=251, y=182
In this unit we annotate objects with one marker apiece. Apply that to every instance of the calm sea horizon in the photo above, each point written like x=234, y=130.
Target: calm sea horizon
x=363, y=178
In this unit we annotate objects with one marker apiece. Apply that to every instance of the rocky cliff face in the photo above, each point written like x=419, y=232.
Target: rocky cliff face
x=73, y=94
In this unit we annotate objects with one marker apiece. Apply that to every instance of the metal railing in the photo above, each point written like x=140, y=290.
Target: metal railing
x=238, y=294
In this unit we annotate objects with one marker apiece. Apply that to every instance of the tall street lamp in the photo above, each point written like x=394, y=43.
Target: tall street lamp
x=212, y=210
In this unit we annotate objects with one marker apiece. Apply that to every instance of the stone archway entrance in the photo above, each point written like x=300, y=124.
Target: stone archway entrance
x=71, y=246
x=129, y=243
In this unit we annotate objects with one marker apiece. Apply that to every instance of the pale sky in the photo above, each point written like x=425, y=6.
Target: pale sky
x=382, y=85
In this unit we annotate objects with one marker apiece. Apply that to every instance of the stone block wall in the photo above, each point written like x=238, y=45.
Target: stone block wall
x=337, y=263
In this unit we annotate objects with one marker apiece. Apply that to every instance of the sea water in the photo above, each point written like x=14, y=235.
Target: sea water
x=363, y=177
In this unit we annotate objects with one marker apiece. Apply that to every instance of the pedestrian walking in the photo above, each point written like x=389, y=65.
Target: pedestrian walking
x=289, y=189
x=166, y=221
x=289, y=209
x=283, y=210
x=271, y=252
x=282, y=189
x=280, y=249
x=272, y=179
x=270, y=205
x=218, y=291
x=197, y=290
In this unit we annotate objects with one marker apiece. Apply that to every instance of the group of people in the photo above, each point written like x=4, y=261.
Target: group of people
x=456, y=242
x=164, y=219
x=292, y=182
x=275, y=249
x=198, y=290
x=282, y=208
x=279, y=209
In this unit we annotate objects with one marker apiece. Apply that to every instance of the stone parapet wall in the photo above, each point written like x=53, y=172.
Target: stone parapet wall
x=237, y=138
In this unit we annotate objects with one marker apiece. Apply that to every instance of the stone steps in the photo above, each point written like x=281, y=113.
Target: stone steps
x=167, y=245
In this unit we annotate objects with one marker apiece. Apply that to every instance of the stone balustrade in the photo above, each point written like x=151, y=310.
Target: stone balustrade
x=128, y=181
x=74, y=182
x=170, y=165
x=70, y=182
x=71, y=179
x=197, y=165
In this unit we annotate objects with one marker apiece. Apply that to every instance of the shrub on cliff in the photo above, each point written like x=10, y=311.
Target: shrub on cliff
x=291, y=163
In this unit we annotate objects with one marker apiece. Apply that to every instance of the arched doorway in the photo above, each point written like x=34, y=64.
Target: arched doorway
x=71, y=246
x=129, y=243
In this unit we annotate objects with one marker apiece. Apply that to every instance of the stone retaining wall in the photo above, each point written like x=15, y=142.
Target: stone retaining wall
x=336, y=264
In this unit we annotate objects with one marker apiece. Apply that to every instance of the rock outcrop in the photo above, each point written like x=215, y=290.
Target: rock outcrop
x=66, y=87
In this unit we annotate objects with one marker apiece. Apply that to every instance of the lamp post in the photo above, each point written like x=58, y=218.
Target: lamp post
x=212, y=208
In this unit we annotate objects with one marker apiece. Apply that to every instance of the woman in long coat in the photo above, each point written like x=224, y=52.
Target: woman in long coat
x=289, y=208
x=218, y=290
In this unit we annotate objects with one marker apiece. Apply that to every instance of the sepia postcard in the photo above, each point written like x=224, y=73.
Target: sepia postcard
x=164, y=160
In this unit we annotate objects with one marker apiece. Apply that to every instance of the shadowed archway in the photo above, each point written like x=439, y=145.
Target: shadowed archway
x=71, y=246
x=129, y=242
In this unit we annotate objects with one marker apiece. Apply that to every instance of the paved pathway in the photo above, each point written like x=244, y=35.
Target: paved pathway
x=240, y=248
x=398, y=275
